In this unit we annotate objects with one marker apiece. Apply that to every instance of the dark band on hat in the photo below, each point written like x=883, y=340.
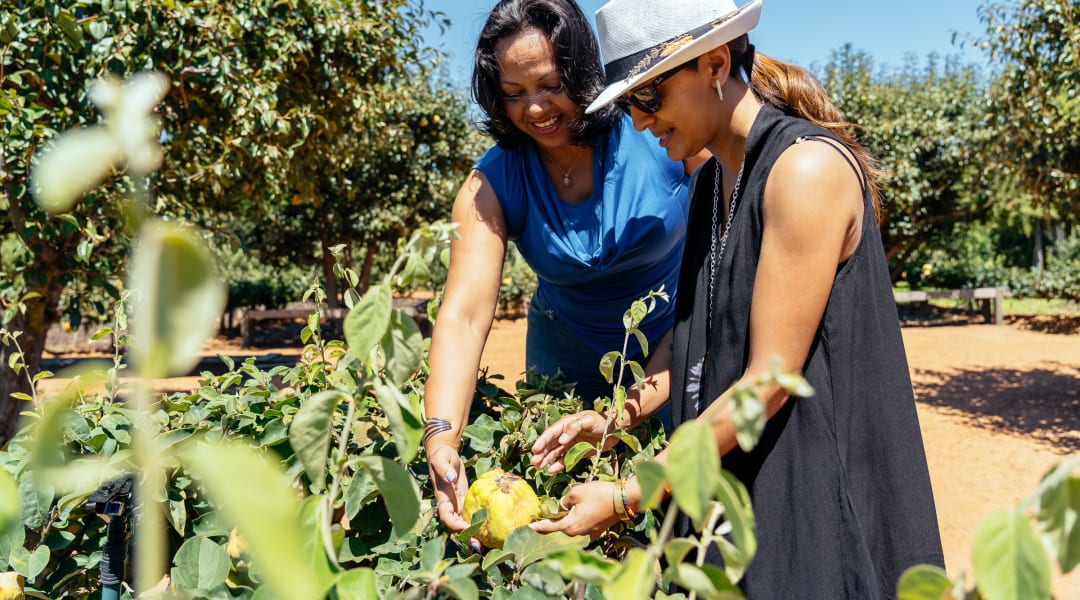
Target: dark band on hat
x=628, y=66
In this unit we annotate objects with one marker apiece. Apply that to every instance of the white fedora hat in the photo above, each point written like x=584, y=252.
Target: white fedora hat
x=640, y=39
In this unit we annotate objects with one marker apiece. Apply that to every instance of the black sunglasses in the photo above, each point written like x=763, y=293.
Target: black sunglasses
x=647, y=98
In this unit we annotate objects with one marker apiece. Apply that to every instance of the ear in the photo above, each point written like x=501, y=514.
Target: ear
x=717, y=63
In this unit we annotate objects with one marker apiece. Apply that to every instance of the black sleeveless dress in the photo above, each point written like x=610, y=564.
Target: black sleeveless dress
x=839, y=482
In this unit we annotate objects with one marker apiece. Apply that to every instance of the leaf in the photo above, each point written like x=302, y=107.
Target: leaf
x=39, y=559
x=1009, y=560
x=748, y=415
x=923, y=582
x=650, y=476
x=78, y=161
x=229, y=472
x=406, y=426
x=528, y=547
x=201, y=565
x=577, y=452
x=181, y=299
x=634, y=580
x=707, y=581
x=367, y=322
x=1058, y=512
x=9, y=500
x=740, y=517
x=461, y=588
x=403, y=347
x=310, y=432
x=357, y=583
x=693, y=468
x=607, y=365
x=398, y=490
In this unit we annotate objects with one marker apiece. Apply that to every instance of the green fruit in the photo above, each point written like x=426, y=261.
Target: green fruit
x=510, y=503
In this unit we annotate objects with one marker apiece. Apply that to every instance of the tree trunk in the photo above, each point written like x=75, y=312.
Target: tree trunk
x=333, y=293
x=1037, y=254
x=34, y=326
x=365, y=271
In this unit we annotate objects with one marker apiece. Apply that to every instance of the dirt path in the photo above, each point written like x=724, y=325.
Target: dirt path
x=999, y=406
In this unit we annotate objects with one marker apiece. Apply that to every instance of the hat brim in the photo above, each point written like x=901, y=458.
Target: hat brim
x=744, y=19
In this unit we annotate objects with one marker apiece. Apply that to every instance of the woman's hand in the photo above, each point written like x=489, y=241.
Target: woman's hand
x=450, y=483
x=591, y=510
x=549, y=449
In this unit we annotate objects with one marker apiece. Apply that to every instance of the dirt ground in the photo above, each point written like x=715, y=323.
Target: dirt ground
x=999, y=406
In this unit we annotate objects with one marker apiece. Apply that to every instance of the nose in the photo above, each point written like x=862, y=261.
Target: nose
x=640, y=118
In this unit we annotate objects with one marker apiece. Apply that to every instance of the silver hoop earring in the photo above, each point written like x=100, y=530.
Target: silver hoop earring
x=719, y=90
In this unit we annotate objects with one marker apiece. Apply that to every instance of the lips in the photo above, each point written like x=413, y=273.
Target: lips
x=664, y=137
x=548, y=126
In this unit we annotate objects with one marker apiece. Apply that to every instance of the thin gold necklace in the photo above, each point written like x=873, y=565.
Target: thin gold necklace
x=567, y=181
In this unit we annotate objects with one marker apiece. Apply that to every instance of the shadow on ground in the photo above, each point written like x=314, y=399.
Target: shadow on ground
x=1040, y=403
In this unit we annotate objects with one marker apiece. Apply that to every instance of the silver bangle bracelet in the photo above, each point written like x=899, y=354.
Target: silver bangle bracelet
x=434, y=427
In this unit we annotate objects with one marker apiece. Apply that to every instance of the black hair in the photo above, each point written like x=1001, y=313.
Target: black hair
x=577, y=57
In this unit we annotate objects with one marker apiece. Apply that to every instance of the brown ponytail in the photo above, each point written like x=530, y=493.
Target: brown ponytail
x=797, y=92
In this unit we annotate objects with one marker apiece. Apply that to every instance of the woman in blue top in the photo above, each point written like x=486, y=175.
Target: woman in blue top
x=597, y=211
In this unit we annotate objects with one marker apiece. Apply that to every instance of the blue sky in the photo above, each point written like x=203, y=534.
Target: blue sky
x=799, y=31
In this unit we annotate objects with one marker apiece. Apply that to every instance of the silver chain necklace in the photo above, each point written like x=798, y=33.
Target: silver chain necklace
x=714, y=255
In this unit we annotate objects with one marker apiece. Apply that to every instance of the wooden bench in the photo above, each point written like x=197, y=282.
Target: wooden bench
x=413, y=308
x=993, y=295
x=251, y=317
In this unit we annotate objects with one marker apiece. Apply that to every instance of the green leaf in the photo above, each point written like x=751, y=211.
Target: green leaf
x=1010, y=562
x=923, y=582
x=528, y=547
x=78, y=161
x=201, y=565
x=229, y=472
x=650, y=476
x=607, y=365
x=706, y=581
x=181, y=299
x=461, y=588
x=577, y=452
x=398, y=490
x=641, y=340
x=740, y=517
x=310, y=432
x=357, y=583
x=693, y=468
x=403, y=347
x=748, y=416
x=39, y=559
x=405, y=425
x=635, y=579
x=1058, y=512
x=367, y=322
x=9, y=500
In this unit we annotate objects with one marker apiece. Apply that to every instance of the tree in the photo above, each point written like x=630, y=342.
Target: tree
x=1035, y=106
x=926, y=125
x=260, y=93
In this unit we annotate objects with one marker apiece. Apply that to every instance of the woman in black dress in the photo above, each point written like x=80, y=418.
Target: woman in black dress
x=785, y=260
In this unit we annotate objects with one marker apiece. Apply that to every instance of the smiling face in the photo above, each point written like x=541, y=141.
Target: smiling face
x=533, y=92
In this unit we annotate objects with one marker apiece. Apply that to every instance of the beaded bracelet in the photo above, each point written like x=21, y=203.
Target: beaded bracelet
x=626, y=505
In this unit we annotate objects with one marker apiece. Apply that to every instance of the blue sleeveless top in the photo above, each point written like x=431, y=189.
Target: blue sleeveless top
x=593, y=259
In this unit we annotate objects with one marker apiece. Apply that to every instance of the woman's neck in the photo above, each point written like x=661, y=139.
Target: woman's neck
x=729, y=145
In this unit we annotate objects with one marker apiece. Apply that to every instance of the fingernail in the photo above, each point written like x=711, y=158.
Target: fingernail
x=564, y=438
x=553, y=469
x=475, y=546
x=451, y=476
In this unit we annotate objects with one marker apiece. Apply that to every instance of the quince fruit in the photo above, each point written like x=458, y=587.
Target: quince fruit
x=11, y=586
x=510, y=503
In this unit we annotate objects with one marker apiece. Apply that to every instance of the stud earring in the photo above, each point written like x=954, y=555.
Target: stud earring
x=719, y=90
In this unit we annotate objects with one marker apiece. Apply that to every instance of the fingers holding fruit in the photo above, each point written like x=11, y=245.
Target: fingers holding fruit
x=450, y=483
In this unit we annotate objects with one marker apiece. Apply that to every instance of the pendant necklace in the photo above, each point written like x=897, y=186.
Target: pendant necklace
x=714, y=255
x=567, y=180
